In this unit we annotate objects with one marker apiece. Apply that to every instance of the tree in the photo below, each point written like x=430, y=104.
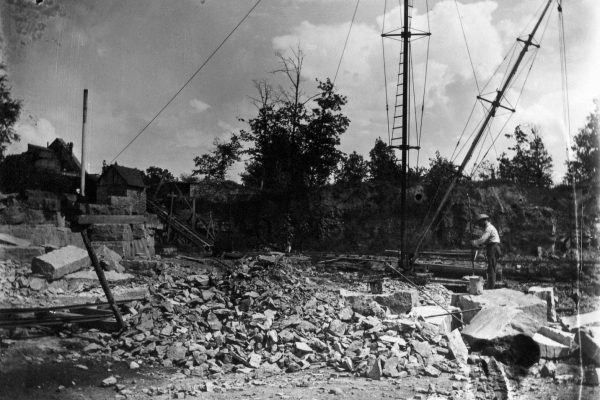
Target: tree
x=214, y=165
x=154, y=175
x=383, y=164
x=292, y=147
x=438, y=176
x=353, y=169
x=9, y=114
x=585, y=166
x=531, y=165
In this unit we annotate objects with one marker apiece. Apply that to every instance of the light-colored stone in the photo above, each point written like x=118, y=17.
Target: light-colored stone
x=504, y=298
x=499, y=323
x=431, y=314
x=589, y=341
x=550, y=349
x=457, y=346
x=337, y=327
x=581, y=320
x=61, y=262
x=10, y=240
x=546, y=294
x=558, y=335
x=110, y=260
x=399, y=302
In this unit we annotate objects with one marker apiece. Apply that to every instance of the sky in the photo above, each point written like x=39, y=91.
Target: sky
x=133, y=55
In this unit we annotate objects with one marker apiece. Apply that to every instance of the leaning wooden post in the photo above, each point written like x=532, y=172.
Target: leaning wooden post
x=100, y=272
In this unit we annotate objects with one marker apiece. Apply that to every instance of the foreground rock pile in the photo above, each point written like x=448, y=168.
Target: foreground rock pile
x=265, y=316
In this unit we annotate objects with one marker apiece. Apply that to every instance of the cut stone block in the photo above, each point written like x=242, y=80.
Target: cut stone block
x=110, y=232
x=504, y=298
x=550, y=349
x=546, y=294
x=61, y=262
x=500, y=323
x=589, y=341
x=443, y=322
x=582, y=320
x=560, y=336
x=20, y=254
x=10, y=240
x=399, y=302
x=457, y=347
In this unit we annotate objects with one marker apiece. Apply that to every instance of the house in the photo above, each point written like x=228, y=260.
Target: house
x=122, y=187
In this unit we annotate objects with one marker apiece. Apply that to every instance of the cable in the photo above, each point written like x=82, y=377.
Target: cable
x=188, y=81
x=346, y=42
x=466, y=45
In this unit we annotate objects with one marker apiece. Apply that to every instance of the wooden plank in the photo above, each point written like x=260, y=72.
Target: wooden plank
x=111, y=219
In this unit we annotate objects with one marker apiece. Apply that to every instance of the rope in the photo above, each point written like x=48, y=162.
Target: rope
x=466, y=45
x=346, y=42
x=188, y=81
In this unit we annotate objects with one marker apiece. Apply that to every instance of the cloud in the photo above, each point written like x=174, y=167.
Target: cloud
x=199, y=105
x=39, y=133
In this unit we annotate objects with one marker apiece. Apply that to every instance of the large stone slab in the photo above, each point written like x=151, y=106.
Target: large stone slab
x=551, y=349
x=10, y=240
x=457, y=346
x=60, y=262
x=546, y=294
x=110, y=260
x=581, y=320
x=558, y=335
x=500, y=323
x=506, y=298
x=399, y=302
x=21, y=254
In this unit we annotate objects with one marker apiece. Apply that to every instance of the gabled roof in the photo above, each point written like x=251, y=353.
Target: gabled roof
x=132, y=177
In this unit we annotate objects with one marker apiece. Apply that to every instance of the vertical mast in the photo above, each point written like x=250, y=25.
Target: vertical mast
x=404, y=85
x=83, y=133
x=495, y=104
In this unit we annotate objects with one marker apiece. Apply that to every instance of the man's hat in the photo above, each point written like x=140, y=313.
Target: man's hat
x=482, y=217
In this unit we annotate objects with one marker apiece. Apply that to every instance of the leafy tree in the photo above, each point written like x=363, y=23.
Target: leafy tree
x=154, y=175
x=585, y=166
x=353, y=170
x=290, y=145
x=438, y=176
x=531, y=164
x=383, y=164
x=214, y=165
x=486, y=171
x=188, y=178
x=9, y=114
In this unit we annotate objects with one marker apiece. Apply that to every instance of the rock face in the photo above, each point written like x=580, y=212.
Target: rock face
x=60, y=262
x=399, y=302
x=500, y=323
x=531, y=305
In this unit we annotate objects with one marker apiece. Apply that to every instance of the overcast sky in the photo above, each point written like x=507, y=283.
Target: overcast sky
x=133, y=55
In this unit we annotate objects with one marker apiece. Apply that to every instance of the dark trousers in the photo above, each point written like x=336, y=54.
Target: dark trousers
x=493, y=253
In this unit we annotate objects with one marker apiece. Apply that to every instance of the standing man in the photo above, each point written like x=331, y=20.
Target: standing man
x=491, y=239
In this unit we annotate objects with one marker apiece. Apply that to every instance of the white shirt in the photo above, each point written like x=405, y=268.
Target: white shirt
x=490, y=235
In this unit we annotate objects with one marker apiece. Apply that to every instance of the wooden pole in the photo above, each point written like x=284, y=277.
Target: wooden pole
x=100, y=272
x=172, y=196
x=85, y=99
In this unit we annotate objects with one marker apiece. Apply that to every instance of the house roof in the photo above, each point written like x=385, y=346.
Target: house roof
x=131, y=176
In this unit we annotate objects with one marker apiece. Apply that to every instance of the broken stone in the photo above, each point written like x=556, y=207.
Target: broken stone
x=134, y=365
x=213, y=322
x=254, y=360
x=399, y=302
x=457, y=346
x=550, y=349
x=10, y=240
x=430, y=370
x=61, y=262
x=110, y=381
x=375, y=372
x=393, y=339
x=422, y=348
x=443, y=322
x=176, y=352
x=548, y=370
x=345, y=314
x=110, y=260
x=391, y=367
x=303, y=347
x=592, y=377
x=546, y=294
x=337, y=327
